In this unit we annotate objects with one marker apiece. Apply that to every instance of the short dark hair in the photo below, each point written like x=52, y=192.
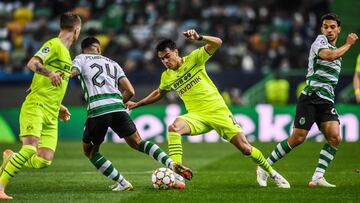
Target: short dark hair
x=330, y=16
x=165, y=43
x=87, y=42
x=69, y=20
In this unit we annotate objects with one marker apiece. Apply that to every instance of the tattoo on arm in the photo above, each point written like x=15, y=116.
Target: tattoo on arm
x=39, y=68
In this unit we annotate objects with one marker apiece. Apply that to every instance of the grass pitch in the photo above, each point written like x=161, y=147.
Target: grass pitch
x=221, y=174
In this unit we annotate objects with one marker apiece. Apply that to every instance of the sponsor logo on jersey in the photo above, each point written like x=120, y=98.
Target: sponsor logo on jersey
x=189, y=85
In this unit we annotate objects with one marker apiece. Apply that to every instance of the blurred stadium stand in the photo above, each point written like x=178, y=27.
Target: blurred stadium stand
x=260, y=37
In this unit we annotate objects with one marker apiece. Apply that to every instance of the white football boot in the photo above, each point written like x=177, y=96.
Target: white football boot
x=280, y=181
x=320, y=182
x=261, y=176
x=122, y=186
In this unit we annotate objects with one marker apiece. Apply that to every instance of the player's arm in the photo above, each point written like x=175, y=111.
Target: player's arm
x=356, y=84
x=35, y=64
x=211, y=43
x=331, y=55
x=127, y=89
x=154, y=96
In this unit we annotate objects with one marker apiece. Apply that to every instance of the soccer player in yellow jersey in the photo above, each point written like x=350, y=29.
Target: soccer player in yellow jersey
x=206, y=108
x=42, y=107
x=357, y=80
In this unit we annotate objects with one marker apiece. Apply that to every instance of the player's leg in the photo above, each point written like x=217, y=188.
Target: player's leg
x=154, y=151
x=94, y=134
x=46, y=146
x=15, y=161
x=240, y=142
x=178, y=128
x=304, y=119
x=31, y=119
x=125, y=127
x=329, y=126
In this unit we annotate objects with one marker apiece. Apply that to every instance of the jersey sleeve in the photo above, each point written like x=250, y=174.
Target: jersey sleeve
x=320, y=43
x=47, y=50
x=200, y=55
x=164, y=85
x=121, y=72
x=78, y=63
x=358, y=64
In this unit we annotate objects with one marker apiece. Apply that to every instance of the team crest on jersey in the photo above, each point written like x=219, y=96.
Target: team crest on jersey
x=302, y=121
x=29, y=127
x=45, y=50
x=323, y=42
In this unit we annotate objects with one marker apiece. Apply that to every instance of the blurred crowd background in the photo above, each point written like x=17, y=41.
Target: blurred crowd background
x=259, y=36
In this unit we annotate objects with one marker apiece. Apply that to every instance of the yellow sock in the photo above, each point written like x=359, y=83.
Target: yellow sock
x=175, y=146
x=258, y=158
x=16, y=163
x=37, y=162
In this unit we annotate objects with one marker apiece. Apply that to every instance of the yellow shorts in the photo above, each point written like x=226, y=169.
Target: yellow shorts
x=220, y=120
x=35, y=121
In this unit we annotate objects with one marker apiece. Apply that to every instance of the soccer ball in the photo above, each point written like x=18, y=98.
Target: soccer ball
x=162, y=178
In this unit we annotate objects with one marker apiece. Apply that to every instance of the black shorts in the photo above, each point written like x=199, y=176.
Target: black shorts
x=310, y=109
x=96, y=128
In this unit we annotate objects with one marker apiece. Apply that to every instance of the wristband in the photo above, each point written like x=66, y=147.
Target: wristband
x=357, y=92
x=200, y=38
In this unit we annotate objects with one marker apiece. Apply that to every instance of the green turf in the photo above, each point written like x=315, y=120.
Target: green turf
x=221, y=174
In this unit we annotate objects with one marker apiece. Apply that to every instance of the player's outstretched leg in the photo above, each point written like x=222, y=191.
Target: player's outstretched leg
x=240, y=142
x=12, y=164
x=158, y=154
x=106, y=168
x=258, y=158
x=327, y=154
x=280, y=151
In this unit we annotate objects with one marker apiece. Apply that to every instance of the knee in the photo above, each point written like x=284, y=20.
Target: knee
x=246, y=150
x=172, y=128
x=296, y=139
x=334, y=140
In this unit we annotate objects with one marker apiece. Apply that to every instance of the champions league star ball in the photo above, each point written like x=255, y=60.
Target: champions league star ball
x=162, y=178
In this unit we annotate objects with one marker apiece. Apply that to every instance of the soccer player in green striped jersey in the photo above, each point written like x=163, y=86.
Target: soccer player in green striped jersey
x=356, y=81
x=316, y=103
x=206, y=108
x=42, y=106
x=101, y=79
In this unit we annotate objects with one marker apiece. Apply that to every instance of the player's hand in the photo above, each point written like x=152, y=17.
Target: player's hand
x=55, y=79
x=191, y=34
x=131, y=105
x=64, y=113
x=351, y=38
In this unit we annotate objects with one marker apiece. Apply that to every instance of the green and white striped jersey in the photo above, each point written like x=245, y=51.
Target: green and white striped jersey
x=99, y=78
x=323, y=75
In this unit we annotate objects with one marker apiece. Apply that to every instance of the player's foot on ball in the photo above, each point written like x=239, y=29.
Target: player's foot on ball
x=183, y=171
x=7, y=155
x=4, y=196
x=280, y=181
x=179, y=182
x=261, y=176
x=123, y=186
x=320, y=182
